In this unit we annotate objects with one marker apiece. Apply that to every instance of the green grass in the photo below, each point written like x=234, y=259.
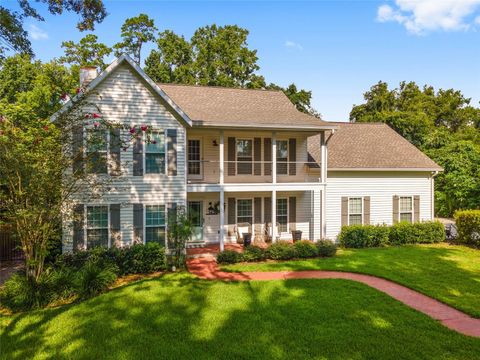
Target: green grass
x=445, y=272
x=180, y=317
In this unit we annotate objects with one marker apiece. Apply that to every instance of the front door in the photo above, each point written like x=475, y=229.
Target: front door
x=195, y=214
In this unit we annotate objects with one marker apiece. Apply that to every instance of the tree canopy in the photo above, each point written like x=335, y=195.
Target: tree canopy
x=14, y=37
x=136, y=31
x=87, y=52
x=442, y=123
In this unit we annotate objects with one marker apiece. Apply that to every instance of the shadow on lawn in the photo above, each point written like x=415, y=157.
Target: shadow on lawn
x=181, y=317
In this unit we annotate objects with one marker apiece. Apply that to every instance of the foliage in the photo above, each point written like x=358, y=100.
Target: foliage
x=305, y=249
x=359, y=236
x=215, y=56
x=326, y=248
x=23, y=293
x=416, y=233
x=135, y=259
x=468, y=225
x=180, y=230
x=229, y=257
x=93, y=278
x=280, y=250
x=87, y=52
x=15, y=36
x=442, y=123
x=136, y=31
x=253, y=253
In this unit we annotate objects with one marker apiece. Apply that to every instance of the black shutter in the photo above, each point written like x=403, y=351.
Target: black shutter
x=138, y=156
x=257, y=210
x=78, y=230
x=115, y=144
x=292, y=154
x=292, y=209
x=257, y=156
x=115, y=233
x=172, y=152
x=231, y=217
x=138, y=223
x=231, y=156
x=267, y=209
x=267, y=156
x=77, y=150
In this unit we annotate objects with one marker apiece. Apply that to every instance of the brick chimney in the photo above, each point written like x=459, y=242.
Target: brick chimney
x=87, y=74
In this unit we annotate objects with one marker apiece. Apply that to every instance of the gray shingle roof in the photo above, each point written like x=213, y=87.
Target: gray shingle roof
x=370, y=146
x=220, y=106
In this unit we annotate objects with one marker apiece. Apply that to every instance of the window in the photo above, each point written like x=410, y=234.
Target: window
x=355, y=211
x=194, y=157
x=282, y=157
x=282, y=215
x=244, y=156
x=406, y=208
x=97, y=147
x=244, y=211
x=155, y=223
x=97, y=226
x=155, y=155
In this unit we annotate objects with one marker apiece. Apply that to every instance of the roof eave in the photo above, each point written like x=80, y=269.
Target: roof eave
x=299, y=127
x=428, y=169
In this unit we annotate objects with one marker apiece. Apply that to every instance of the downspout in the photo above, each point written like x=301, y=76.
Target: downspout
x=432, y=194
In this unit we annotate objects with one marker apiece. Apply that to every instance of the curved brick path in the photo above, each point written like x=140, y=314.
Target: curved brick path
x=206, y=268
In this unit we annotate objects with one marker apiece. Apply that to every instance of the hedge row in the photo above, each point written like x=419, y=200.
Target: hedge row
x=361, y=236
x=280, y=250
x=468, y=225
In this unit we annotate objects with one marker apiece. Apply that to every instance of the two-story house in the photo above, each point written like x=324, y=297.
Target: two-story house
x=238, y=158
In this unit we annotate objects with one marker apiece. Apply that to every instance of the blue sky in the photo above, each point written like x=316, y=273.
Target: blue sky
x=337, y=49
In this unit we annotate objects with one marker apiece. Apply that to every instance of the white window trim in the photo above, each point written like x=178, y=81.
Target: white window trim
x=145, y=220
x=195, y=176
x=252, y=207
x=412, y=212
x=85, y=223
x=236, y=155
x=288, y=213
x=85, y=148
x=144, y=153
x=363, y=208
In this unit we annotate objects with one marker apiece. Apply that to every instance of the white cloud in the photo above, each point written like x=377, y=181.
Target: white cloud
x=293, y=45
x=36, y=33
x=421, y=16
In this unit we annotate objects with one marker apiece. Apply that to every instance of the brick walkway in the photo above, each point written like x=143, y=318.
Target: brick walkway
x=206, y=268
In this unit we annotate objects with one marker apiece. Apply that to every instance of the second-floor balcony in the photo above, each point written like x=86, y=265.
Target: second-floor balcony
x=215, y=157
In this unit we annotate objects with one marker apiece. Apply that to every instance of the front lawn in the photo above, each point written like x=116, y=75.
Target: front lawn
x=448, y=273
x=181, y=317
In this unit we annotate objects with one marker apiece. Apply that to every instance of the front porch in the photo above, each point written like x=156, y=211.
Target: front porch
x=252, y=212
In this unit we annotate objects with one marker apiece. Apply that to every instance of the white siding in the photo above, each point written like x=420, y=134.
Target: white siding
x=381, y=187
x=124, y=98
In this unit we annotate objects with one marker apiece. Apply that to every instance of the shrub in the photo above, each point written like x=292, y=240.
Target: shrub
x=468, y=225
x=22, y=293
x=305, y=249
x=360, y=236
x=281, y=250
x=326, y=248
x=93, y=279
x=253, y=253
x=229, y=257
x=416, y=233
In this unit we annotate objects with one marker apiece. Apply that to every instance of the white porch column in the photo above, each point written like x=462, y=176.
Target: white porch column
x=274, y=216
x=222, y=219
x=222, y=193
x=221, y=157
x=323, y=180
x=274, y=157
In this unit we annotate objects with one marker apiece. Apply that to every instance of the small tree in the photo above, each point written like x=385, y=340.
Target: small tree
x=180, y=230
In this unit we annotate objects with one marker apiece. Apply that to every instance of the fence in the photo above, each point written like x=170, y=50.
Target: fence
x=9, y=247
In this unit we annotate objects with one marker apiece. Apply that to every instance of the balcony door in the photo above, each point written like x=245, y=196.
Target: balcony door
x=194, y=159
